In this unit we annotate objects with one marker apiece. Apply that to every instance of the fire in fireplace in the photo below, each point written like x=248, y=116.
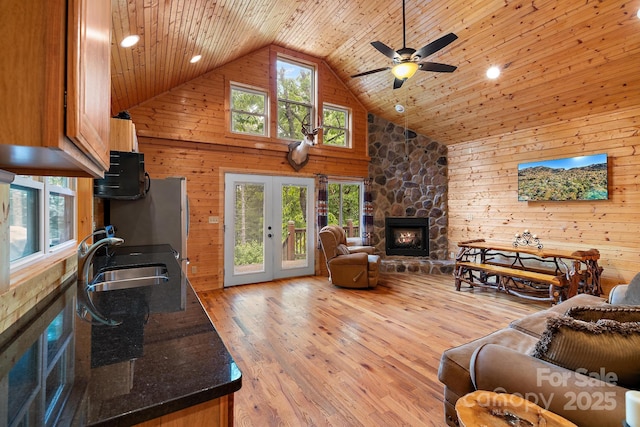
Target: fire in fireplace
x=407, y=236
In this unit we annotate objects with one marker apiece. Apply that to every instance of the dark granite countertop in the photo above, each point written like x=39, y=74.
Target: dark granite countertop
x=164, y=356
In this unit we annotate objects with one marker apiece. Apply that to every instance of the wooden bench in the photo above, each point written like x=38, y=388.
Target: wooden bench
x=534, y=285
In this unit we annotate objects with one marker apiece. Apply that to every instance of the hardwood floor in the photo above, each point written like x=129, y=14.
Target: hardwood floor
x=312, y=354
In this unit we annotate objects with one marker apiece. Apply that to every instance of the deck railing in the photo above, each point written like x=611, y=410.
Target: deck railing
x=294, y=245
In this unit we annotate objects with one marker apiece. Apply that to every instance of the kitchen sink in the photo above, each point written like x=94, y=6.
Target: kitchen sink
x=129, y=277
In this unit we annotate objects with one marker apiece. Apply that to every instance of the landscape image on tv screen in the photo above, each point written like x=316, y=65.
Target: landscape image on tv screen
x=573, y=178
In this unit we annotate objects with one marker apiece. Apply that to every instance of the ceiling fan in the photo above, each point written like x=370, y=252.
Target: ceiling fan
x=407, y=60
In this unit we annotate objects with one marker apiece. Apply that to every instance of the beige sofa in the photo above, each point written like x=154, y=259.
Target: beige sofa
x=503, y=362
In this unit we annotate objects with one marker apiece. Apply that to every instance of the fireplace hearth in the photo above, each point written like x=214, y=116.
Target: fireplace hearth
x=408, y=236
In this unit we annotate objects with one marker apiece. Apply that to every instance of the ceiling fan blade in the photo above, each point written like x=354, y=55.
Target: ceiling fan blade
x=366, y=73
x=397, y=83
x=436, y=67
x=385, y=50
x=435, y=46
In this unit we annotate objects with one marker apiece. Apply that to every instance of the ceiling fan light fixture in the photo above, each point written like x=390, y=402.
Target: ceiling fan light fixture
x=405, y=70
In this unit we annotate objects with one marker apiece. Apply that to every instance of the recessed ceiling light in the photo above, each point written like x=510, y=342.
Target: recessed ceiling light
x=196, y=59
x=493, y=72
x=638, y=14
x=130, y=40
x=399, y=108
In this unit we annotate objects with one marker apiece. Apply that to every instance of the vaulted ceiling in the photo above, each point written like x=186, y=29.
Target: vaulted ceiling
x=560, y=59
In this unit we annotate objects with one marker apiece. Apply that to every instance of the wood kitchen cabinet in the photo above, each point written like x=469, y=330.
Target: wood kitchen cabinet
x=55, y=86
x=213, y=413
x=123, y=135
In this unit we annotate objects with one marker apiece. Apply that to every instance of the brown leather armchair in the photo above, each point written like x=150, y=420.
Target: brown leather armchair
x=349, y=265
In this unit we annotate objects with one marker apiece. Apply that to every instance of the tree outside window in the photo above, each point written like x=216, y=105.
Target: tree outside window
x=295, y=89
x=335, y=125
x=345, y=206
x=248, y=111
x=41, y=216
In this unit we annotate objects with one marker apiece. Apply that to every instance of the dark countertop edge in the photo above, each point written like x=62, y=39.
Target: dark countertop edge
x=178, y=404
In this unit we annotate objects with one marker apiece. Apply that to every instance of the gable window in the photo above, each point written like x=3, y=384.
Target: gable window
x=296, y=97
x=42, y=216
x=249, y=111
x=345, y=206
x=335, y=125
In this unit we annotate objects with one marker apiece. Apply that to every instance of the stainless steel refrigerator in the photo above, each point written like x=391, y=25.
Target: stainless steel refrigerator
x=162, y=216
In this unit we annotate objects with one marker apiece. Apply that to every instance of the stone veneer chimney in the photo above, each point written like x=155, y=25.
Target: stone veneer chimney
x=409, y=180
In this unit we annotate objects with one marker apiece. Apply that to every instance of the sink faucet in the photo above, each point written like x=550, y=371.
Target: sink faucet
x=85, y=254
x=85, y=257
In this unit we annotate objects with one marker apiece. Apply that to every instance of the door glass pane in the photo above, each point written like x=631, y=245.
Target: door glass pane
x=294, y=226
x=249, y=228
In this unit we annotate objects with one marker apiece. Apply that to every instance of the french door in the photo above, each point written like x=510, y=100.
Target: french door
x=268, y=228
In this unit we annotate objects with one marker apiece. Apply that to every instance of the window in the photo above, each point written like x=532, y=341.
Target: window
x=41, y=216
x=345, y=206
x=296, y=97
x=335, y=124
x=249, y=111
x=39, y=382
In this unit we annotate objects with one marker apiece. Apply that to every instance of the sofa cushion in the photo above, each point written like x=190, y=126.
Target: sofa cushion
x=606, y=348
x=454, y=363
x=632, y=296
x=619, y=313
x=535, y=324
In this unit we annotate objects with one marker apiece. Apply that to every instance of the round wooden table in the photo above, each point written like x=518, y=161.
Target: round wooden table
x=486, y=408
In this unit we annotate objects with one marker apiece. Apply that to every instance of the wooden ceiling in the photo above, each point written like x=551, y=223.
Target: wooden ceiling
x=560, y=59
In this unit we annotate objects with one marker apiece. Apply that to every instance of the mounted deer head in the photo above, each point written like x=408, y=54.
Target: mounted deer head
x=298, y=155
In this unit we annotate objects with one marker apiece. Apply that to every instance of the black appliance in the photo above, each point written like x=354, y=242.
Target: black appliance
x=125, y=179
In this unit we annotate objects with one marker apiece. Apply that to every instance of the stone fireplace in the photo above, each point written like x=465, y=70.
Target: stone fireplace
x=409, y=180
x=407, y=236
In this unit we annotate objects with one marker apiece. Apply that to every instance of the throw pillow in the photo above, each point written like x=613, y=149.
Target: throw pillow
x=619, y=313
x=606, y=349
x=632, y=296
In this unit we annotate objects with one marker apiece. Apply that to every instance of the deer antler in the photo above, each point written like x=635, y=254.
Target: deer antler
x=305, y=127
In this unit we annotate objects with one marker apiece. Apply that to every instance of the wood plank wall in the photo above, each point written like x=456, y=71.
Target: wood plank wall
x=483, y=182
x=184, y=132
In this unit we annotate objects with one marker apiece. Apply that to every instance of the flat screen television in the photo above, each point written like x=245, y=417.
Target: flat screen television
x=572, y=178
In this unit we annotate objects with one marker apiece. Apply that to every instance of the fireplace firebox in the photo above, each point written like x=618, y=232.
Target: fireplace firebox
x=408, y=236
